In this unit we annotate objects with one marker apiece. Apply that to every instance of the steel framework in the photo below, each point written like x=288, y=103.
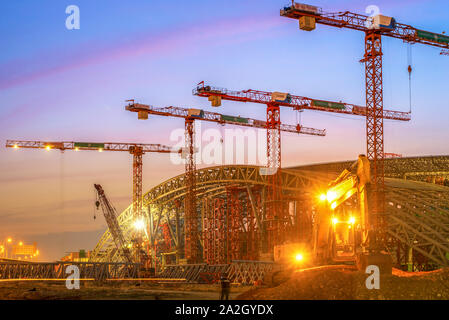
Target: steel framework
x=302, y=184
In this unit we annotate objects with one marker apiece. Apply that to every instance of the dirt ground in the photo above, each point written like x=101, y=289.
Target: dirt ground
x=321, y=283
x=38, y=290
x=340, y=283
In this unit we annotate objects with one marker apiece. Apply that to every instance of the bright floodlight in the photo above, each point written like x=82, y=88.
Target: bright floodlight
x=334, y=220
x=323, y=197
x=139, y=224
x=331, y=196
x=47, y=148
x=299, y=257
x=352, y=220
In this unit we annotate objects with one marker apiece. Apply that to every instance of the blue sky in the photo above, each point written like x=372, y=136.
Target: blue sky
x=57, y=84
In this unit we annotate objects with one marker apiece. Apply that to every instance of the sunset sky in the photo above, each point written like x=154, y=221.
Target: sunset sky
x=70, y=85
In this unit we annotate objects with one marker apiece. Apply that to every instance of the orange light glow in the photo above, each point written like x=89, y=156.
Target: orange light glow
x=299, y=257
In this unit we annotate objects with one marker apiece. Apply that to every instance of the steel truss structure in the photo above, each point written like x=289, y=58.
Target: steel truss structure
x=417, y=211
x=239, y=271
x=57, y=270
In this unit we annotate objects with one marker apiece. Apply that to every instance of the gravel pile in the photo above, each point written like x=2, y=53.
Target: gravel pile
x=342, y=283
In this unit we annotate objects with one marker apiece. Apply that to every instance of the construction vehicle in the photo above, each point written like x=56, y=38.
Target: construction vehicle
x=342, y=234
x=110, y=215
x=127, y=248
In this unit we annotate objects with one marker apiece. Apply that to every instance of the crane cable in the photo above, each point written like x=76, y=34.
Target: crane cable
x=409, y=69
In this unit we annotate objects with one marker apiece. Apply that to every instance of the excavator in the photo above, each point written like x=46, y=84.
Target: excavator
x=343, y=232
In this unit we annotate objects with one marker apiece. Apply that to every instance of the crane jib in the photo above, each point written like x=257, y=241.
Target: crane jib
x=88, y=145
x=430, y=36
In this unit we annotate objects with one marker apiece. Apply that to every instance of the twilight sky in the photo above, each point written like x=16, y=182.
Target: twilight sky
x=58, y=84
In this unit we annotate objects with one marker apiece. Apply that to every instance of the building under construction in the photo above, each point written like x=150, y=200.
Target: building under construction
x=245, y=220
x=232, y=223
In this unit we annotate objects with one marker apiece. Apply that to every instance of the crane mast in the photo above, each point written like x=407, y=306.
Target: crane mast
x=110, y=216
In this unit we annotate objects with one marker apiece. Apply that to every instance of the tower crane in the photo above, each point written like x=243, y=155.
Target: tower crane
x=110, y=215
x=136, y=149
x=273, y=101
x=190, y=115
x=374, y=28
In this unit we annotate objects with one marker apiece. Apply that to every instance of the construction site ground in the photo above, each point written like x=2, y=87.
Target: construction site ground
x=318, y=283
x=346, y=283
x=51, y=290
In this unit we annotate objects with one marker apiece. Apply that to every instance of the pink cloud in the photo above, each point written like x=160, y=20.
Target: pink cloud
x=173, y=41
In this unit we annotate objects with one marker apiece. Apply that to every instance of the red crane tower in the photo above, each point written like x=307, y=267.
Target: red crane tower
x=273, y=101
x=374, y=28
x=136, y=149
x=192, y=251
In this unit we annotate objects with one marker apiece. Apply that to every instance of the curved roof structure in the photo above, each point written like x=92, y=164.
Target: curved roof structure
x=418, y=211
